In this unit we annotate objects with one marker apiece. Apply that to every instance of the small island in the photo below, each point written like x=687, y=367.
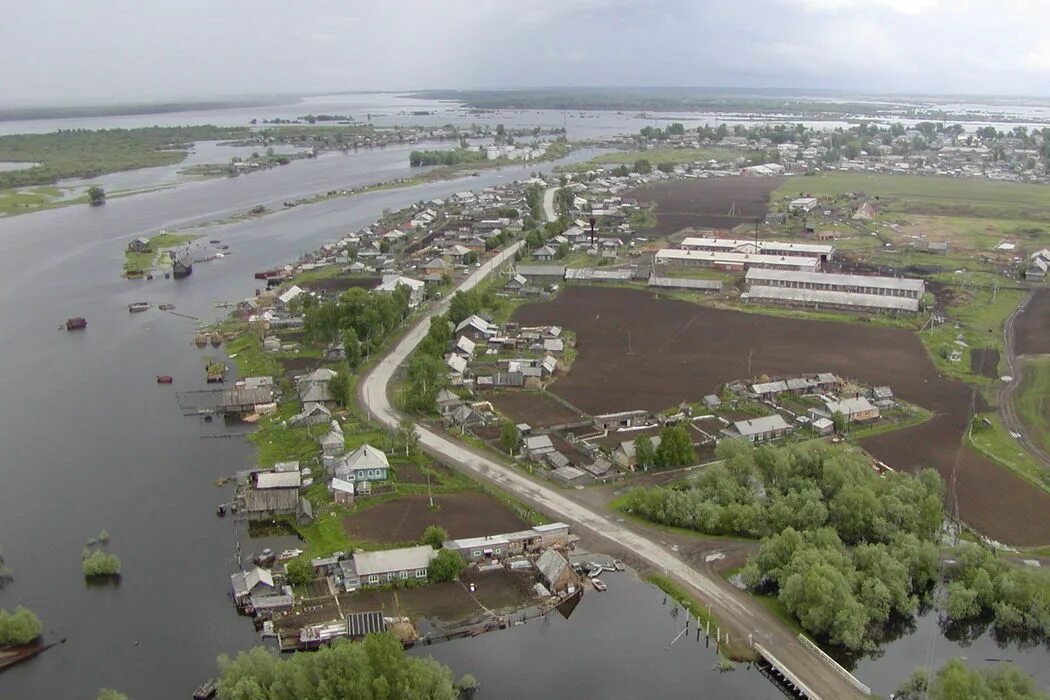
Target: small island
x=19, y=636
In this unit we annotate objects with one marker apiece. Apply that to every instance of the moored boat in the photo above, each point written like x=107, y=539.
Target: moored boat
x=76, y=323
x=164, y=379
x=206, y=690
x=166, y=307
x=138, y=306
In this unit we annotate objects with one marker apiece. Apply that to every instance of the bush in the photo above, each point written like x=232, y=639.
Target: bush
x=299, y=572
x=99, y=563
x=19, y=627
x=435, y=536
x=446, y=566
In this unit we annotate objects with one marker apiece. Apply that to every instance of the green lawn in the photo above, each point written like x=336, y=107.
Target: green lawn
x=1033, y=399
x=931, y=195
x=25, y=200
x=996, y=443
x=251, y=360
x=141, y=263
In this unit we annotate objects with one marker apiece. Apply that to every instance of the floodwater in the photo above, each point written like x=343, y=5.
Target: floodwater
x=615, y=644
x=90, y=441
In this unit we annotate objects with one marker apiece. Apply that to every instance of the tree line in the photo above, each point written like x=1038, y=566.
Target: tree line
x=375, y=669
x=844, y=548
x=445, y=157
x=82, y=153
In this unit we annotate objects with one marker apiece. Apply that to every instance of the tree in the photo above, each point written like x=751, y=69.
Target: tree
x=840, y=421
x=426, y=377
x=446, y=566
x=665, y=167
x=644, y=453
x=299, y=572
x=405, y=435
x=676, y=129
x=110, y=694
x=98, y=563
x=563, y=250
x=339, y=385
x=19, y=627
x=435, y=536
x=352, y=348
x=642, y=166
x=509, y=437
x=676, y=448
x=374, y=669
x=96, y=195
x=467, y=685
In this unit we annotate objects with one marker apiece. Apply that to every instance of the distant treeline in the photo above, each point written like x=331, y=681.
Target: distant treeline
x=450, y=157
x=81, y=153
x=27, y=113
x=656, y=99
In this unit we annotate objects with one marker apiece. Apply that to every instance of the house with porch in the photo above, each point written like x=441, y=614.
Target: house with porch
x=363, y=466
x=387, y=566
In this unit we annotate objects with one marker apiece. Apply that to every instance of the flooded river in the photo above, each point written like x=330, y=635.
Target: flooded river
x=90, y=441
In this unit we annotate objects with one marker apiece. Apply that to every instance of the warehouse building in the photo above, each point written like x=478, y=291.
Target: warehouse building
x=820, y=251
x=824, y=299
x=734, y=261
x=823, y=281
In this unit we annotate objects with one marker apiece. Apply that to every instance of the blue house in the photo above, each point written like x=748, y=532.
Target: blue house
x=363, y=465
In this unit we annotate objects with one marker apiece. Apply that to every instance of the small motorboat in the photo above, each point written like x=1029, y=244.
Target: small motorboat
x=164, y=379
x=166, y=307
x=138, y=307
x=77, y=323
x=599, y=585
x=618, y=565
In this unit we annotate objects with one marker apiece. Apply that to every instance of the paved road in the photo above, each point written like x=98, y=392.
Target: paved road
x=735, y=608
x=548, y=204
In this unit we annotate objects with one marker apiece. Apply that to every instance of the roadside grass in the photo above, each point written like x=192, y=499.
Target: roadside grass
x=1033, y=399
x=996, y=443
x=944, y=196
x=737, y=648
x=770, y=603
x=617, y=505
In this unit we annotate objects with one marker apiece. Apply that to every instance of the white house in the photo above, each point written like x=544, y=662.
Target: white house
x=390, y=284
x=289, y=295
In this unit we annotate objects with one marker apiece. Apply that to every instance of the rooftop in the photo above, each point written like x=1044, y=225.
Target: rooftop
x=405, y=559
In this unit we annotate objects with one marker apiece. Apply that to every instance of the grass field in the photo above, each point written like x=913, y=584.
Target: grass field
x=931, y=195
x=1033, y=399
x=996, y=443
x=32, y=199
x=144, y=262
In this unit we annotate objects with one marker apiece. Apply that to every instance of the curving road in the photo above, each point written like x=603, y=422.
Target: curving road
x=733, y=607
x=1007, y=410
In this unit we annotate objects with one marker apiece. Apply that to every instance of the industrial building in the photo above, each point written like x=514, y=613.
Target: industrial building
x=735, y=261
x=754, y=247
x=824, y=281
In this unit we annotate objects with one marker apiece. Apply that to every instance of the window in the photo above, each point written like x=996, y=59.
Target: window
x=497, y=550
x=403, y=574
x=390, y=576
x=421, y=573
x=373, y=579
x=475, y=553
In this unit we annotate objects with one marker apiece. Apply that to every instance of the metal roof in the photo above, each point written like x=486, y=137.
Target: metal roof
x=278, y=480
x=724, y=258
x=837, y=280
x=757, y=426
x=766, y=247
x=362, y=623
x=405, y=559
x=684, y=283
x=823, y=296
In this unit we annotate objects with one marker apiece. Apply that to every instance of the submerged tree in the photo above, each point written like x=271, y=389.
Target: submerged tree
x=96, y=195
x=19, y=627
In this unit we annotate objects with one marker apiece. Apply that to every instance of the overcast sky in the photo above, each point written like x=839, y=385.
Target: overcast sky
x=105, y=50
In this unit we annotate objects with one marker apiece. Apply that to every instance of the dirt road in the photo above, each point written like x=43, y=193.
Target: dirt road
x=735, y=608
x=1007, y=411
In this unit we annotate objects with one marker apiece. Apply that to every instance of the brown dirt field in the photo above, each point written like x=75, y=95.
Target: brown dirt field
x=403, y=519
x=984, y=362
x=1032, y=326
x=707, y=203
x=534, y=408
x=299, y=365
x=682, y=351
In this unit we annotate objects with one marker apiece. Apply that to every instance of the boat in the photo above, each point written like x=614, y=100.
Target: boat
x=206, y=690
x=221, y=511
x=77, y=323
x=216, y=340
x=215, y=372
x=599, y=585
x=166, y=307
x=138, y=307
x=618, y=565
x=289, y=554
x=265, y=558
x=164, y=379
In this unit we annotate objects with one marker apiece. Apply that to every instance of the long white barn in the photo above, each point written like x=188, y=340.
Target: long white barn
x=734, y=261
x=830, y=282
x=820, y=251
